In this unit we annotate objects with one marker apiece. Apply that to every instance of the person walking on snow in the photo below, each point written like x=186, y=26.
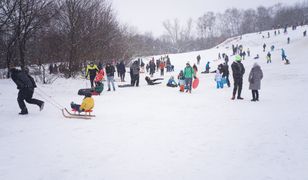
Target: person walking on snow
x=91, y=71
x=264, y=46
x=238, y=72
x=110, y=70
x=26, y=84
x=198, y=59
x=269, y=57
x=188, y=74
x=255, y=77
x=284, y=57
x=122, y=71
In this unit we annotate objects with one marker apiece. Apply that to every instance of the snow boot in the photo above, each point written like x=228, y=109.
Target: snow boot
x=41, y=106
x=232, y=98
x=23, y=112
x=240, y=98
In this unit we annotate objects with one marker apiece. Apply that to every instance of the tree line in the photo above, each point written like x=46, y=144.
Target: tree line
x=76, y=31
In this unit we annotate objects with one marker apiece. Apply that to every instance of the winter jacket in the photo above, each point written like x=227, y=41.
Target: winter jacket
x=110, y=70
x=162, y=65
x=171, y=82
x=87, y=104
x=255, y=77
x=134, y=69
x=189, y=72
x=122, y=69
x=91, y=70
x=22, y=79
x=225, y=70
x=99, y=76
x=238, y=70
x=218, y=76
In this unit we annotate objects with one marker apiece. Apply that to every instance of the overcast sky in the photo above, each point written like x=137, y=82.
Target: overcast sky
x=148, y=15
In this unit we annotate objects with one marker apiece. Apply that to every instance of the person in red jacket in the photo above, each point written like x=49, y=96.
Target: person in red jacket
x=162, y=67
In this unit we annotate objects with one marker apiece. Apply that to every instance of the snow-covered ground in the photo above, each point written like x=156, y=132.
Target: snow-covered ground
x=158, y=133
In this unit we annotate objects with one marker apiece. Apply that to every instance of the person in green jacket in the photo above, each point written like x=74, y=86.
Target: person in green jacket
x=189, y=73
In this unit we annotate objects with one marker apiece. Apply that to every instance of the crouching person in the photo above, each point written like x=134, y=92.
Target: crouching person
x=171, y=82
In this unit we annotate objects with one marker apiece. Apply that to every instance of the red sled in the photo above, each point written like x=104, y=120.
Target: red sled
x=195, y=83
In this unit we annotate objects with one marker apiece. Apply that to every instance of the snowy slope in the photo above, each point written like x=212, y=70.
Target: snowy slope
x=158, y=133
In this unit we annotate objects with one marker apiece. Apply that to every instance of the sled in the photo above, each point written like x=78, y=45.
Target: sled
x=83, y=92
x=69, y=115
x=195, y=83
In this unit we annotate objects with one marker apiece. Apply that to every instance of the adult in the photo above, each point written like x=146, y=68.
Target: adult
x=264, y=46
x=224, y=68
x=91, y=71
x=110, y=70
x=25, y=83
x=152, y=67
x=188, y=74
x=162, y=67
x=118, y=68
x=198, y=59
x=135, y=71
x=152, y=81
x=255, y=77
x=122, y=71
x=238, y=72
x=284, y=57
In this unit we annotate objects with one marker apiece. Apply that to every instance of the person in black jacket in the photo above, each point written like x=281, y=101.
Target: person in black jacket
x=224, y=69
x=152, y=81
x=110, y=70
x=25, y=83
x=135, y=71
x=122, y=71
x=238, y=72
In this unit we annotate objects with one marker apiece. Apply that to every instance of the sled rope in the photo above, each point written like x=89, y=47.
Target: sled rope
x=50, y=100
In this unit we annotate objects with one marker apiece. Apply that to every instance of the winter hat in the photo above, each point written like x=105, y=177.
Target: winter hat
x=238, y=58
x=255, y=64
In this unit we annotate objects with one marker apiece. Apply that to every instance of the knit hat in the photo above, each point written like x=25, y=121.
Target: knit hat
x=238, y=58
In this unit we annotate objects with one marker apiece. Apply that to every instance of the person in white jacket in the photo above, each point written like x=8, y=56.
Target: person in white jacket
x=218, y=79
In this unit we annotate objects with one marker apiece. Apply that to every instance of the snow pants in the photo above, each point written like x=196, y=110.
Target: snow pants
x=26, y=94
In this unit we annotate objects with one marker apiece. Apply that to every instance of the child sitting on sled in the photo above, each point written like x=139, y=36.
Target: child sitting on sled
x=86, y=105
x=171, y=82
x=181, y=79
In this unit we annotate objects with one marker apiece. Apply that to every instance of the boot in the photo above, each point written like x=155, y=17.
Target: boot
x=240, y=98
x=41, y=106
x=23, y=112
x=108, y=89
x=233, y=97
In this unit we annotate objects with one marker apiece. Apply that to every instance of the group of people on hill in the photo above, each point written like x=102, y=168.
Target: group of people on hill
x=96, y=74
x=159, y=65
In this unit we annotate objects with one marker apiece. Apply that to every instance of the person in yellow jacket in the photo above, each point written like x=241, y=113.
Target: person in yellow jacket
x=91, y=71
x=87, y=104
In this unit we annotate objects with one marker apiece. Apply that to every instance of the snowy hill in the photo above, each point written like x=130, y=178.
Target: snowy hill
x=155, y=132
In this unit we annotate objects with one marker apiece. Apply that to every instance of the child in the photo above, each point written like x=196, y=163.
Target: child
x=171, y=82
x=218, y=79
x=87, y=104
x=181, y=79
